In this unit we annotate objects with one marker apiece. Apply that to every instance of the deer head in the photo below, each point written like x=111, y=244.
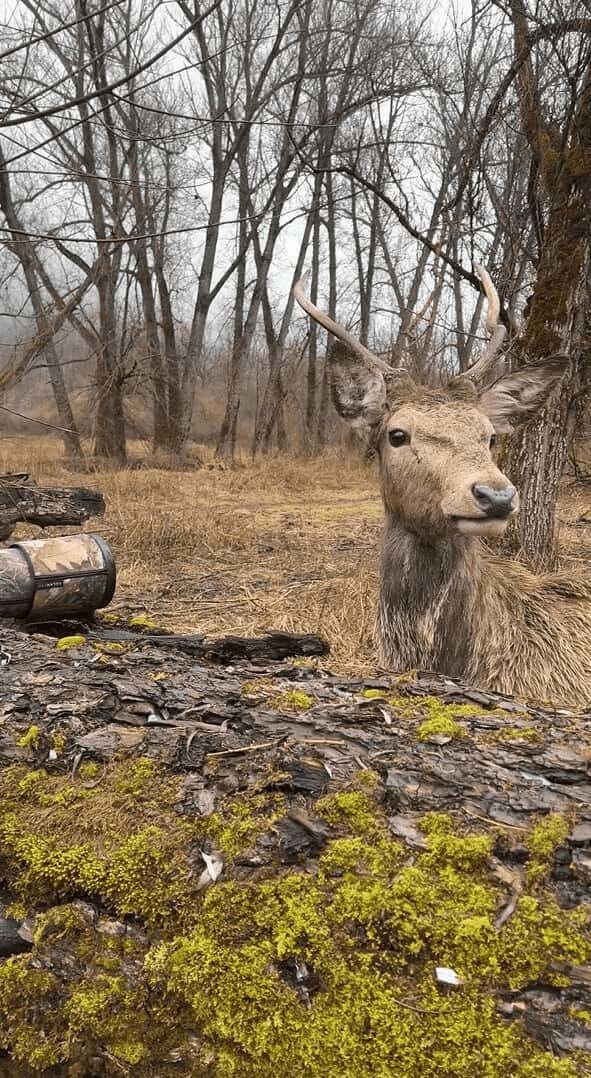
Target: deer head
x=436, y=446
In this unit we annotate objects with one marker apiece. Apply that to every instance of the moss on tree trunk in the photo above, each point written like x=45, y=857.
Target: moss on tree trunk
x=560, y=308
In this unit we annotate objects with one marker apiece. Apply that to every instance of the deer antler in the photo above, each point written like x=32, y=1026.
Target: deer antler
x=496, y=329
x=373, y=362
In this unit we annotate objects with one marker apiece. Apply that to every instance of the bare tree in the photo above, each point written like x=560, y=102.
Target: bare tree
x=24, y=250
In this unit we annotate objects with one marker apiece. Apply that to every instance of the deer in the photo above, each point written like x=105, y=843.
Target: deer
x=447, y=603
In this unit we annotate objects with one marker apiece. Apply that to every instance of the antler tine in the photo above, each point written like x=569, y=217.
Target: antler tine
x=373, y=362
x=497, y=330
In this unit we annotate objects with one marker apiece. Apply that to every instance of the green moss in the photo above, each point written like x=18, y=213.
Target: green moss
x=441, y=726
x=58, y=743
x=142, y=621
x=110, y=647
x=100, y=1007
x=435, y=709
x=368, y=780
x=550, y=833
x=137, y=778
x=434, y=716
x=288, y=700
x=66, y=642
x=89, y=770
x=239, y=826
x=292, y=700
x=536, y=931
x=352, y=810
x=31, y=780
x=31, y=739
x=58, y=922
x=580, y=1015
x=22, y=992
x=372, y=929
x=120, y=842
x=367, y=928
x=109, y=618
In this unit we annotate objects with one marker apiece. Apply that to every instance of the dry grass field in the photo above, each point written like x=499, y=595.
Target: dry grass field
x=277, y=544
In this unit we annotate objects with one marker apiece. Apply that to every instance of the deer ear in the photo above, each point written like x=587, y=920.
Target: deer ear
x=358, y=392
x=516, y=397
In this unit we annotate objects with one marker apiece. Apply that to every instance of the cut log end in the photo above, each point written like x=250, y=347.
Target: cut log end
x=22, y=502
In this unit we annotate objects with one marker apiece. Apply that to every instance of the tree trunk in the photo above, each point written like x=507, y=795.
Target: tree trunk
x=312, y=369
x=558, y=321
x=226, y=445
x=160, y=402
x=24, y=250
x=272, y=406
x=229, y=871
x=109, y=433
x=537, y=455
x=331, y=235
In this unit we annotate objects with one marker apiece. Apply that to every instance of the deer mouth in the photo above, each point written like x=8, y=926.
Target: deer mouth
x=486, y=526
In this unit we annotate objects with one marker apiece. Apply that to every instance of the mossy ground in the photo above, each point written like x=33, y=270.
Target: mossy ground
x=212, y=982
x=435, y=718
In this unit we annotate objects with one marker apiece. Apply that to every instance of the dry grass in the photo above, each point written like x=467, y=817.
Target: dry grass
x=278, y=544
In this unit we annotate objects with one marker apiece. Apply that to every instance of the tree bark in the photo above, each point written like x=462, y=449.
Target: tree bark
x=165, y=836
x=24, y=250
x=21, y=502
x=560, y=312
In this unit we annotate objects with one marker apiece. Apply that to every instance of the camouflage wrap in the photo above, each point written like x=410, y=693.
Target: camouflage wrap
x=41, y=579
x=17, y=586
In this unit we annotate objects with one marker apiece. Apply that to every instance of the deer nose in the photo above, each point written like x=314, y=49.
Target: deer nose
x=495, y=503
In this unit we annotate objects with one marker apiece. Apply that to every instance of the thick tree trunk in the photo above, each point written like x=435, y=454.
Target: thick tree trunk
x=560, y=320
x=208, y=872
x=560, y=312
x=109, y=433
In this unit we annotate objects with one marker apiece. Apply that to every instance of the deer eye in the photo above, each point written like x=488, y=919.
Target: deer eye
x=493, y=441
x=398, y=437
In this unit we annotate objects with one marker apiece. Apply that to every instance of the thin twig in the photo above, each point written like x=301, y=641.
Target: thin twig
x=247, y=748
x=319, y=741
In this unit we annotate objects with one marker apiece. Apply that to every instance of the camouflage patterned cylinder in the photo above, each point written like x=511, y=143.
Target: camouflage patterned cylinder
x=43, y=579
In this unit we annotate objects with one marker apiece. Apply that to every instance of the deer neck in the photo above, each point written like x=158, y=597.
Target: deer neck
x=429, y=597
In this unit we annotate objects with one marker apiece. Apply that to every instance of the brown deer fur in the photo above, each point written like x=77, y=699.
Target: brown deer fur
x=446, y=603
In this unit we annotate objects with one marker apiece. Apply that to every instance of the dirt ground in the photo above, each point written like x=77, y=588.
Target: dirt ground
x=278, y=544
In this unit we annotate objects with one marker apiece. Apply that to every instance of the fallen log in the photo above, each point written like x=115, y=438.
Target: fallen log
x=272, y=647
x=22, y=502
x=276, y=870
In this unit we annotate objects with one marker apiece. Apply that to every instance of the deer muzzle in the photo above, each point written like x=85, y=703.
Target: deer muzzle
x=495, y=504
x=492, y=509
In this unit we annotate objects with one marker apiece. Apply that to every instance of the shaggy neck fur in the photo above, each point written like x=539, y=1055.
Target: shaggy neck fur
x=428, y=598
x=451, y=607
